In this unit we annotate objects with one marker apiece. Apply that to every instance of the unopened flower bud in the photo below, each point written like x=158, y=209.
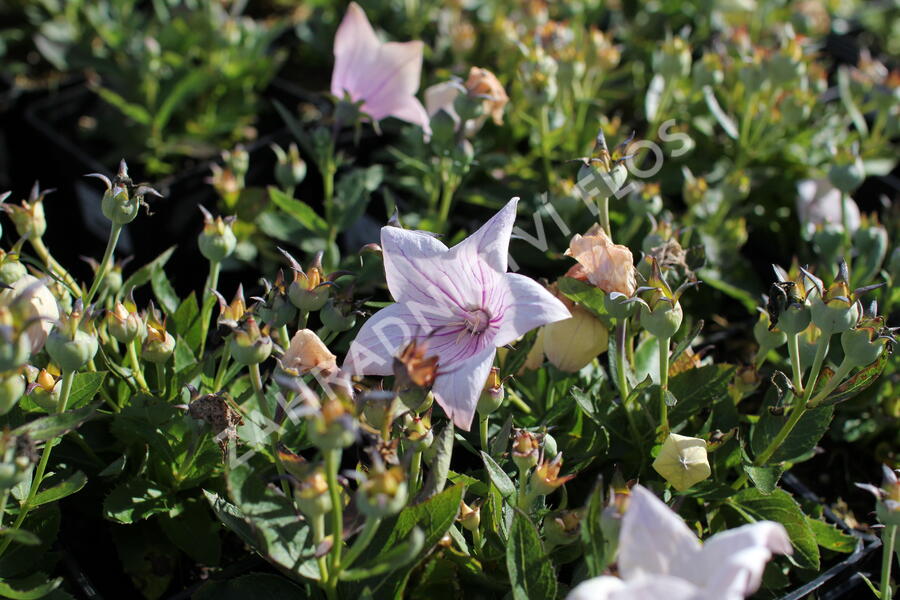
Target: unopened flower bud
x=337, y=317
x=562, y=527
x=766, y=335
x=122, y=199
x=525, y=450
x=15, y=347
x=551, y=449
x=290, y=171
x=217, y=240
x=28, y=217
x=11, y=268
x=469, y=516
x=45, y=389
x=249, y=344
x=12, y=388
x=682, y=461
x=309, y=290
x=887, y=508
x=835, y=310
x=159, y=344
x=311, y=494
x=72, y=343
x=662, y=321
x=383, y=493
x=492, y=395
x=333, y=426
x=123, y=324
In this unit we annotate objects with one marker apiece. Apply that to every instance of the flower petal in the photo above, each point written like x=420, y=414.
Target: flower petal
x=393, y=77
x=409, y=258
x=597, y=588
x=491, y=241
x=654, y=540
x=380, y=338
x=355, y=50
x=458, y=390
x=731, y=563
x=409, y=109
x=527, y=305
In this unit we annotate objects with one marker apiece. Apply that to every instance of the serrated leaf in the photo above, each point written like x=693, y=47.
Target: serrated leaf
x=36, y=585
x=856, y=384
x=142, y=275
x=831, y=538
x=68, y=487
x=802, y=439
x=586, y=295
x=397, y=557
x=697, y=389
x=164, y=292
x=764, y=478
x=52, y=426
x=779, y=506
x=84, y=387
x=530, y=569
x=134, y=500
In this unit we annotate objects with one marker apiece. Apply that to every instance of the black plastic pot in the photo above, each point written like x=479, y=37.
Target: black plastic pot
x=843, y=580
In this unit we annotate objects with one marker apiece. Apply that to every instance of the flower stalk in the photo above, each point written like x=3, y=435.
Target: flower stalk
x=115, y=230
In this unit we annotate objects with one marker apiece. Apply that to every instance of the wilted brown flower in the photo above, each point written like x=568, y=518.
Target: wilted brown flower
x=608, y=266
x=308, y=352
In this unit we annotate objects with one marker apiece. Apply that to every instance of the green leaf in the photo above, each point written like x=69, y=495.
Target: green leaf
x=802, y=439
x=856, y=384
x=498, y=476
x=398, y=556
x=586, y=295
x=252, y=585
x=142, y=275
x=278, y=535
x=32, y=587
x=515, y=358
x=134, y=500
x=186, y=321
x=530, y=569
x=133, y=111
x=596, y=555
x=68, y=487
x=843, y=77
x=21, y=536
x=164, y=291
x=440, y=465
x=299, y=211
x=831, y=538
x=189, y=86
x=52, y=426
x=195, y=532
x=352, y=194
x=764, y=478
x=231, y=517
x=779, y=506
x=697, y=389
x=84, y=387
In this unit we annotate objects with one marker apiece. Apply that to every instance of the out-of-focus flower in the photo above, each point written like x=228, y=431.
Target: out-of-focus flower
x=682, y=461
x=659, y=557
x=819, y=204
x=888, y=496
x=608, y=266
x=28, y=217
x=383, y=493
x=462, y=300
x=307, y=353
x=383, y=77
x=482, y=88
x=32, y=303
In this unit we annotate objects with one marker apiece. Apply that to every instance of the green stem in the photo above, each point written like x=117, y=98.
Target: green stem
x=847, y=244
x=483, y=432
x=221, y=371
x=302, y=319
x=114, y=231
x=68, y=377
x=332, y=464
x=793, y=344
x=663, y=384
x=362, y=541
x=161, y=379
x=821, y=351
x=44, y=254
x=837, y=377
x=136, y=367
x=318, y=525
x=448, y=188
x=256, y=381
x=621, y=337
x=888, y=541
x=415, y=468
x=209, y=300
x=545, y=151
x=604, y=216
x=523, y=490
x=476, y=538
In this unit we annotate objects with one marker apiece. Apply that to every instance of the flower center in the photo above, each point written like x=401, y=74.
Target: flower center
x=477, y=320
